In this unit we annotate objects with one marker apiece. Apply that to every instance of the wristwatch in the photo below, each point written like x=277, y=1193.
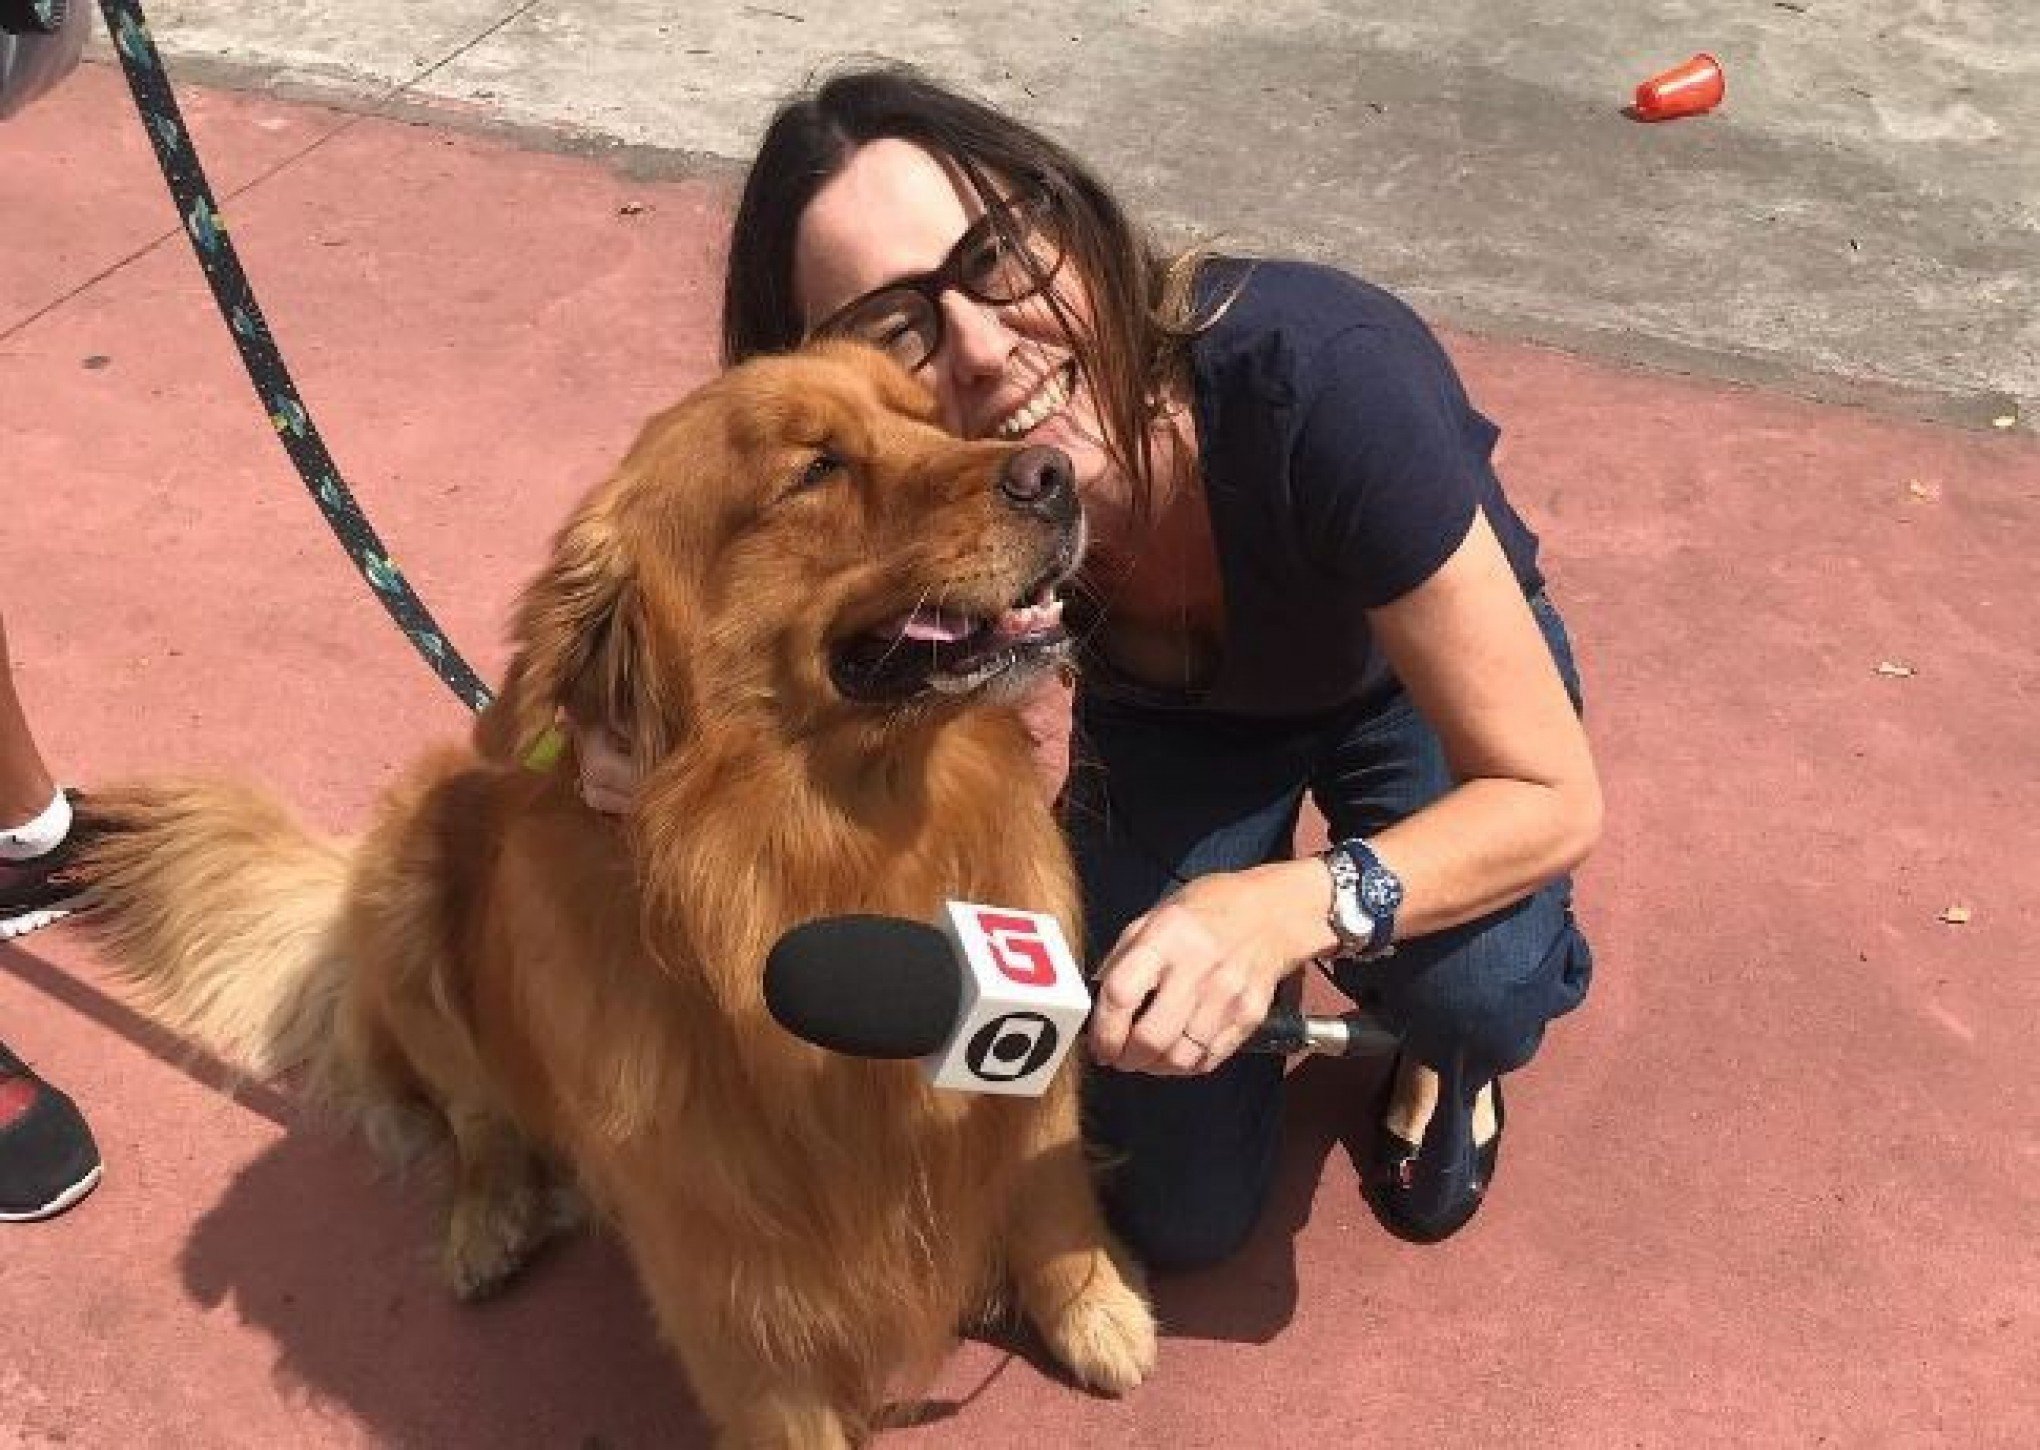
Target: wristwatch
x=1365, y=894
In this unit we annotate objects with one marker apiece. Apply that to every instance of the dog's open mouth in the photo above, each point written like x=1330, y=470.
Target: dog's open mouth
x=945, y=650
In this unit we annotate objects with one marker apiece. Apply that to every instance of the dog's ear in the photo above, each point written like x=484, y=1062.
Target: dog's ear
x=583, y=643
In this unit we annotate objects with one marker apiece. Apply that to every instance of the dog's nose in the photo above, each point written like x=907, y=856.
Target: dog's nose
x=1041, y=479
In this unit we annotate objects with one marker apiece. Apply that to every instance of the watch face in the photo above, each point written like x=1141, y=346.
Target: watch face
x=1380, y=891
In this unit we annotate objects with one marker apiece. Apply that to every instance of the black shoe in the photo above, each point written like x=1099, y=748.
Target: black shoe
x=45, y=888
x=1417, y=1197
x=48, y=1160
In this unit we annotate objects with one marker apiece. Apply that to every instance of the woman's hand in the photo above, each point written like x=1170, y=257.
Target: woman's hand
x=1206, y=963
x=609, y=774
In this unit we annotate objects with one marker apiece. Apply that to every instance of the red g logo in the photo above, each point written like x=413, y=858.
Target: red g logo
x=1017, y=947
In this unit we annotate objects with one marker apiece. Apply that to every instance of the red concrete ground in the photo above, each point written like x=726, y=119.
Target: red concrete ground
x=1775, y=1185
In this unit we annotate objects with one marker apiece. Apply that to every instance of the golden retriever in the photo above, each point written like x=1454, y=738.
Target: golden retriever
x=810, y=610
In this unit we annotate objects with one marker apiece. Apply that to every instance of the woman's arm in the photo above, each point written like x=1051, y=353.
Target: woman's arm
x=1527, y=809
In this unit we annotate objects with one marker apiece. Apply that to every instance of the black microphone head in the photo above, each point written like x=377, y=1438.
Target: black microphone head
x=865, y=986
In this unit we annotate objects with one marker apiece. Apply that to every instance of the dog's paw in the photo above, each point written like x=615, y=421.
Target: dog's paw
x=489, y=1240
x=475, y=1268
x=1105, y=1336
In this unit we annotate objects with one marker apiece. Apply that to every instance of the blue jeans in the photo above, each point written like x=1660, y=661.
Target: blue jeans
x=1156, y=798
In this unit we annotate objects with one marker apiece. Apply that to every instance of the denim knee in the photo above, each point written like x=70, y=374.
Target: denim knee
x=1187, y=1162
x=1184, y=1235
x=1485, y=990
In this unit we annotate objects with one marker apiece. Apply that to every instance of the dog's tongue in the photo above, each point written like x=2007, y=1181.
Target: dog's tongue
x=947, y=626
x=936, y=626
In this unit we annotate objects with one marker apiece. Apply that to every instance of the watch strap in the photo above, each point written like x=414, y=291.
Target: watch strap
x=1362, y=887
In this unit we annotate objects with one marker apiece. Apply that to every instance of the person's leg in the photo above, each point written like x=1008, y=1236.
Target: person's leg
x=48, y=1160
x=39, y=834
x=1153, y=801
x=1471, y=1003
x=26, y=788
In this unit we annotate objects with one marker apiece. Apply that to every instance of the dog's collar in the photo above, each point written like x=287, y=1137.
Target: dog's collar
x=544, y=752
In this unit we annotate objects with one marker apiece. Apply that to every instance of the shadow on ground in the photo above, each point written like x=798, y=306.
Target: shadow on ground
x=332, y=1259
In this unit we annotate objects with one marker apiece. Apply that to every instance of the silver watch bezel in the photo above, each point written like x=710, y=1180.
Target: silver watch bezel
x=1347, y=918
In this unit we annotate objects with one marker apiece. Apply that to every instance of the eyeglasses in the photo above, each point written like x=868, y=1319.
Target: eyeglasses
x=1007, y=255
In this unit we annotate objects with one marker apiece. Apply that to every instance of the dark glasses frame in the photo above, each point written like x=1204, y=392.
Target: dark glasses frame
x=1013, y=220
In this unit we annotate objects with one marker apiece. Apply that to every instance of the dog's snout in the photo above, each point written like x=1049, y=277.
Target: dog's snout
x=1040, y=479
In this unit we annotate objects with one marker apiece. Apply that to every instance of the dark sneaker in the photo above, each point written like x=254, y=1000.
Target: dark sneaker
x=48, y=1160
x=45, y=888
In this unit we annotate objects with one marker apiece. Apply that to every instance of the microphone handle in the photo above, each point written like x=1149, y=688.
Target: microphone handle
x=1287, y=1032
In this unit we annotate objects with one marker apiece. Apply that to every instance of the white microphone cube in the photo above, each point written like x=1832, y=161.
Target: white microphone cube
x=1024, y=1001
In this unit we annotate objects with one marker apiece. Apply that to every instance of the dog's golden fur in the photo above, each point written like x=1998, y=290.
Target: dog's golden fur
x=570, y=999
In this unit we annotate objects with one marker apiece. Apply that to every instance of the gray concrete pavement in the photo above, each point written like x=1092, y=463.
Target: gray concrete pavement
x=1861, y=221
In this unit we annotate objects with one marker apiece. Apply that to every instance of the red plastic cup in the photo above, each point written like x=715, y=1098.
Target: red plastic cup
x=1690, y=89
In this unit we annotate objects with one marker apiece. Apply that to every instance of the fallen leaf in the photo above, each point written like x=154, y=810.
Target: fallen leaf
x=1896, y=669
x=630, y=208
x=1955, y=915
x=1924, y=492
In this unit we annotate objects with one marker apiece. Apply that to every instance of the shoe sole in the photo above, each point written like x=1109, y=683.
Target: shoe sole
x=61, y=1202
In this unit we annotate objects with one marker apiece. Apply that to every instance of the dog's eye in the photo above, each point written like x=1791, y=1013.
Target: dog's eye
x=820, y=469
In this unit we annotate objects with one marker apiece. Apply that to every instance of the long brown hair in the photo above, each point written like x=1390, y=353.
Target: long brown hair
x=1142, y=304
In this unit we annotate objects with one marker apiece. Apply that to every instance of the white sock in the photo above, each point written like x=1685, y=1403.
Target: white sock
x=39, y=836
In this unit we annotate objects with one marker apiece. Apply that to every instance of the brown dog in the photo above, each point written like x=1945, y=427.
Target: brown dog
x=812, y=609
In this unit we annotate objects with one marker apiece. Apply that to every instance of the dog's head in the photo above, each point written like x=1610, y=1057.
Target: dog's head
x=798, y=546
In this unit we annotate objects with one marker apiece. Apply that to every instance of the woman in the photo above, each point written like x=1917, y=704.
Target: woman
x=1303, y=576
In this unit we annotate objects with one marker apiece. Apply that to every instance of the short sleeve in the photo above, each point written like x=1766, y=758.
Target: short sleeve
x=1385, y=469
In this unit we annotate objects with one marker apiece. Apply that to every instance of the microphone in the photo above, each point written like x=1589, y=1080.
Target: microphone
x=1287, y=1032
x=885, y=987
x=865, y=986
x=989, y=1001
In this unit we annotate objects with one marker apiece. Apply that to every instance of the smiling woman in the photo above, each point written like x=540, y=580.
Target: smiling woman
x=1009, y=253
x=919, y=289
x=1303, y=576
x=934, y=213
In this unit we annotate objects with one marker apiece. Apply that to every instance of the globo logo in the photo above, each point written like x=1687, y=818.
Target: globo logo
x=1010, y=1047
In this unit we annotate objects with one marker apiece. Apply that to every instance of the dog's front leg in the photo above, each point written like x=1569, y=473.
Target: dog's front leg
x=749, y=1409
x=1076, y=1284
x=777, y=1424
x=505, y=1204
x=751, y=1404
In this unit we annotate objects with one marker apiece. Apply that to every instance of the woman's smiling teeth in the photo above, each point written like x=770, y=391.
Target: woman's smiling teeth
x=1051, y=397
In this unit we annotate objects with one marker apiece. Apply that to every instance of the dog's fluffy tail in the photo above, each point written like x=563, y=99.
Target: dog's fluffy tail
x=223, y=912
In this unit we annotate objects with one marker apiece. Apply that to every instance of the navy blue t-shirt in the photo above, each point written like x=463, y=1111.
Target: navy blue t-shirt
x=1342, y=466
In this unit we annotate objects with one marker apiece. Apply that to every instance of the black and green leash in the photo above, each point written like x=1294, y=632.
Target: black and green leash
x=200, y=214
